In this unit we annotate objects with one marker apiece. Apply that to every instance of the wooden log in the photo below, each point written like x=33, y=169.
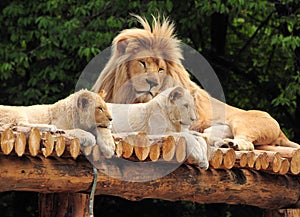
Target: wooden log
x=127, y=147
x=155, y=151
x=119, y=148
x=168, y=148
x=229, y=157
x=282, y=213
x=20, y=144
x=60, y=145
x=141, y=146
x=235, y=186
x=250, y=159
x=261, y=160
x=7, y=141
x=74, y=148
x=216, y=158
x=181, y=149
x=48, y=144
x=241, y=158
x=285, y=166
x=292, y=154
x=34, y=141
x=64, y=204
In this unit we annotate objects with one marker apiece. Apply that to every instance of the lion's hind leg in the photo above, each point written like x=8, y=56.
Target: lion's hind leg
x=282, y=140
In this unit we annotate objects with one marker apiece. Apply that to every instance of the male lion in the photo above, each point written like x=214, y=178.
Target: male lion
x=82, y=114
x=141, y=64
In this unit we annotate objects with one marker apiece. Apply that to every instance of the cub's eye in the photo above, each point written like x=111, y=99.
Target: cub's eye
x=143, y=63
x=160, y=70
x=186, y=105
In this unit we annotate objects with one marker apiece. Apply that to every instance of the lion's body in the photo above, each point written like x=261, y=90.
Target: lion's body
x=173, y=110
x=157, y=47
x=77, y=114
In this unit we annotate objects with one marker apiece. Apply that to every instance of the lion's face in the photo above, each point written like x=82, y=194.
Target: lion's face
x=181, y=107
x=146, y=77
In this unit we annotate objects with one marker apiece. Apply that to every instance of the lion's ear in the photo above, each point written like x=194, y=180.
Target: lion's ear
x=121, y=43
x=102, y=93
x=176, y=94
x=83, y=101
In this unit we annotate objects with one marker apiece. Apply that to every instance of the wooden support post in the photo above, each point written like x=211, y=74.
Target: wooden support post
x=64, y=205
x=282, y=213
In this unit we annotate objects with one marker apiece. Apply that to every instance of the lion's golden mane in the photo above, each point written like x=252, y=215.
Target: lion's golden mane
x=157, y=40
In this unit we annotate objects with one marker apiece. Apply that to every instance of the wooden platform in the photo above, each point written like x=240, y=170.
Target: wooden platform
x=53, y=163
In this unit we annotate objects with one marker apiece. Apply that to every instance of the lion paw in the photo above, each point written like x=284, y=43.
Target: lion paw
x=238, y=144
x=106, y=142
x=197, y=151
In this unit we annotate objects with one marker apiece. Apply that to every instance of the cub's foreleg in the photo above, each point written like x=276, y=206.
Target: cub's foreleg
x=42, y=127
x=105, y=141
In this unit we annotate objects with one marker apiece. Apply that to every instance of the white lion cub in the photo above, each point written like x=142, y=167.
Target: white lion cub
x=171, y=111
x=81, y=114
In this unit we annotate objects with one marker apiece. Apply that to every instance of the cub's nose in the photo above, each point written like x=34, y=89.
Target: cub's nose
x=151, y=83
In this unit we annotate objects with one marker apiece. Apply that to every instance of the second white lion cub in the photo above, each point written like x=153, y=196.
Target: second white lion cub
x=81, y=114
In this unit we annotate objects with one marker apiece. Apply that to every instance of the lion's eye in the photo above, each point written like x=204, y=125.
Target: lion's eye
x=143, y=64
x=160, y=70
x=100, y=108
x=186, y=105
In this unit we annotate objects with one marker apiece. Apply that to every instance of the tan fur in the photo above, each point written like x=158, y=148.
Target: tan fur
x=80, y=114
x=157, y=44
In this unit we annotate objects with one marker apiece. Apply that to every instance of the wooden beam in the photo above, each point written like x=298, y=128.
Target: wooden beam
x=234, y=186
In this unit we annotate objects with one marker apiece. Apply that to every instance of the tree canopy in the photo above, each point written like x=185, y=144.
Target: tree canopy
x=253, y=46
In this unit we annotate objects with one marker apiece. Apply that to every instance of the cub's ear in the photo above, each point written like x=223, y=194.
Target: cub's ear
x=83, y=101
x=102, y=93
x=176, y=94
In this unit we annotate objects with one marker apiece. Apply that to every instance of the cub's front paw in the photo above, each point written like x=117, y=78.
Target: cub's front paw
x=106, y=142
x=197, y=152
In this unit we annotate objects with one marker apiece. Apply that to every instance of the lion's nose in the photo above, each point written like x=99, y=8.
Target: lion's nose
x=151, y=83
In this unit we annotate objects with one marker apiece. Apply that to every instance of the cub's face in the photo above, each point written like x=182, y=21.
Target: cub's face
x=181, y=107
x=102, y=115
x=91, y=111
x=146, y=76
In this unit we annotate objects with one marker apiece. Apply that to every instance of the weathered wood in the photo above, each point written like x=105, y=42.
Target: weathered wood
x=282, y=213
x=216, y=158
x=241, y=158
x=235, y=186
x=7, y=141
x=47, y=143
x=20, y=144
x=155, y=151
x=181, y=149
x=229, y=157
x=74, y=148
x=64, y=204
x=34, y=141
x=168, y=148
x=292, y=154
x=141, y=146
x=60, y=145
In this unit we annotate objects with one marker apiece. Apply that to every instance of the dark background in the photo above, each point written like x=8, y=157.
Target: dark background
x=253, y=46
